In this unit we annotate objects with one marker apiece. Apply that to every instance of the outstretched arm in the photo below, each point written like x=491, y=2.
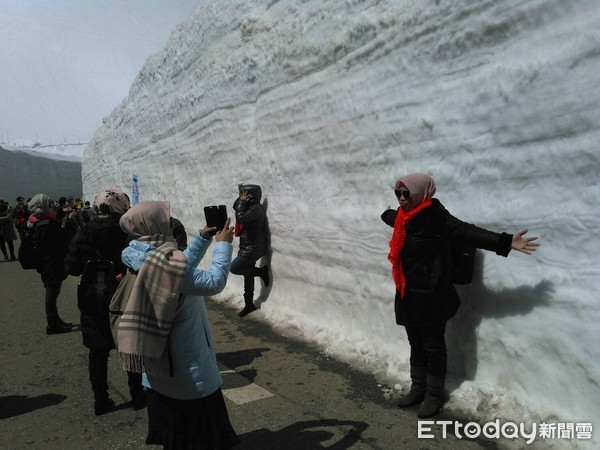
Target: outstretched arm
x=523, y=244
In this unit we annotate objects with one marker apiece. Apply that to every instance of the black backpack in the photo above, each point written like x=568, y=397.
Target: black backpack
x=96, y=287
x=94, y=291
x=30, y=249
x=462, y=256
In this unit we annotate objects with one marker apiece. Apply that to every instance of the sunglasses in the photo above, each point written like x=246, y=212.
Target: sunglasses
x=400, y=194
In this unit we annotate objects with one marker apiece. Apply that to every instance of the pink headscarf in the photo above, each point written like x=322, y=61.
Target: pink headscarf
x=147, y=219
x=420, y=185
x=422, y=188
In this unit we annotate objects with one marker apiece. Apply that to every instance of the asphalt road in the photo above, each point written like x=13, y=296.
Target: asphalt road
x=280, y=393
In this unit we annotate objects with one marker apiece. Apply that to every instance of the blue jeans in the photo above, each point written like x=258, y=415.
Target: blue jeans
x=242, y=265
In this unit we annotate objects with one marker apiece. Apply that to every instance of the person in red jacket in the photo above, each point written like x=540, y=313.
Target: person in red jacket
x=421, y=268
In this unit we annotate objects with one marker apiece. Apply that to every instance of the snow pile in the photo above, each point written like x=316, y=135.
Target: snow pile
x=325, y=104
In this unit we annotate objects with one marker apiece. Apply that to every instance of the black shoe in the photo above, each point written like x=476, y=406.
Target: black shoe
x=6, y=256
x=13, y=258
x=58, y=328
x=138, y=401
x=264, y=275
x=64, y=324
x=247, y=310
x=102, y=407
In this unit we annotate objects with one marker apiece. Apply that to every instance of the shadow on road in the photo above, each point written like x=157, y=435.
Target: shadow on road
x=332, y=434
x=15, y=405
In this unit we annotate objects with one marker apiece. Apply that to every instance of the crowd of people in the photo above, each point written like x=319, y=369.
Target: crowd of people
x=170, y=361
x=163, y=334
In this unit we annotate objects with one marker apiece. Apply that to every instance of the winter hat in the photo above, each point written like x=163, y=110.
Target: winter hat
x=40, y=204
x=420, y=185
x=111, y=201
x=147, y=219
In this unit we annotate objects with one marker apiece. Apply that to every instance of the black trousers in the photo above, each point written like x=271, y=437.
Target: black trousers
x=428, y=348
x=98, y=371
x=11, y=247
x=50, y=301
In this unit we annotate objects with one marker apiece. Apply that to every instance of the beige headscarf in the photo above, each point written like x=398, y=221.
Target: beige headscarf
x=420, y=185
x=148, y=317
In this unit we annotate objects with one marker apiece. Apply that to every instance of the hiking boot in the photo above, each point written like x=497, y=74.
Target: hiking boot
x=102, y=407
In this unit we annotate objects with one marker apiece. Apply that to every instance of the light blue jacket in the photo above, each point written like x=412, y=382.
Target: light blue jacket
x=195, y=370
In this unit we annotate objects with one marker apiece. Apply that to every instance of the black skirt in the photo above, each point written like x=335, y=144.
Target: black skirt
x=201, y=423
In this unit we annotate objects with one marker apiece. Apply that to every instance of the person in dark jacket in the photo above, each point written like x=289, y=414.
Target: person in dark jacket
x=103, y=238
x=251, y=227
x=7, y=231
x=51, y=240
x=20, y=215
x=421, y=267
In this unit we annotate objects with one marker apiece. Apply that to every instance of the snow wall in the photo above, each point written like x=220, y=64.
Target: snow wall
x=326, y=104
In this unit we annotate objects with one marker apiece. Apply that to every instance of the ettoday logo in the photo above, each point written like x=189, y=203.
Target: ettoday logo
x=508, y=430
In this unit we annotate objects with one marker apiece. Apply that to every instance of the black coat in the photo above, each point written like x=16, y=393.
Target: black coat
x=253, y=238
x=430, y=296
x=52, y=241
x=102, y=238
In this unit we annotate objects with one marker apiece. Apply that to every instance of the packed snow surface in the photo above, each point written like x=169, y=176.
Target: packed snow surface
x=325, y=105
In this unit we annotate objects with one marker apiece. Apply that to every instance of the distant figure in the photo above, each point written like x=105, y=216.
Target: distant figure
x=425, y=295
x=20, y=215
x=7, y=231
x=103, y=238
x=61, y=214
x=51, y=242
x=251, y=227
x=165, y=332
x=86, y=212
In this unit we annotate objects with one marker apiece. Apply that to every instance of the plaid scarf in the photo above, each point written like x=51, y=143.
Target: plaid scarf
x=144, y=328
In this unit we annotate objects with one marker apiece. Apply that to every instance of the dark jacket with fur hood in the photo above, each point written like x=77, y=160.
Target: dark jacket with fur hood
x=430, y=295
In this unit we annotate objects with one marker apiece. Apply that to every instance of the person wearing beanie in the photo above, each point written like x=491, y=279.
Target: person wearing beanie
x=420, y=254
x=103, y=238
x=51, y=242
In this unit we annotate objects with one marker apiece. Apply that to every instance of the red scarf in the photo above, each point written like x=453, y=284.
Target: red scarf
x=399, y=239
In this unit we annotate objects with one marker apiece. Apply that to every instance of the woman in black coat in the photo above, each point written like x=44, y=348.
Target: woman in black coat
x=50, y=242
x=420, y=253
x=102, y=238
x=251, y=226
